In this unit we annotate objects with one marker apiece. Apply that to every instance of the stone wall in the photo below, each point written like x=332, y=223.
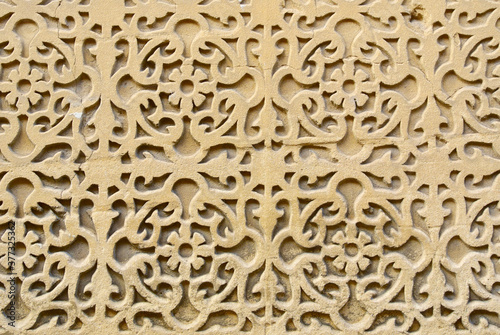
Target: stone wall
x=249, y=167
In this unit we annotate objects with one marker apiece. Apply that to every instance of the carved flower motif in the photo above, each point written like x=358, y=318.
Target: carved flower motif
x=353, y=251
x=24, y=86
x=186, y=250
x=188, y=87
x=26, y=257
x=349, y=86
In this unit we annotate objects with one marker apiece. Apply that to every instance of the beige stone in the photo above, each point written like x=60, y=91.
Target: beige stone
x=249, y=167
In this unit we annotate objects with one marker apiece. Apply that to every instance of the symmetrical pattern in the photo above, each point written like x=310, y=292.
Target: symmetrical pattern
x=250, y=167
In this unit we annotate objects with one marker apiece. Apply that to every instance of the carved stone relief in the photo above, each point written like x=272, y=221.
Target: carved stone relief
x=249, y=167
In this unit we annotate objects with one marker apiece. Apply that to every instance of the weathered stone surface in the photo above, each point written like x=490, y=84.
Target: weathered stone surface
x=249, y=167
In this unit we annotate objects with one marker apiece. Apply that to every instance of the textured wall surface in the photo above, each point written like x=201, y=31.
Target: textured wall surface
x=249, y=167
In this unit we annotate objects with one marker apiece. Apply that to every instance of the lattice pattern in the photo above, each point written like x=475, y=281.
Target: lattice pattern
x=254, y=166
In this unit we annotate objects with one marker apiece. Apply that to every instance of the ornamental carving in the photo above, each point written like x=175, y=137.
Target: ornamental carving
x=249, y=167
